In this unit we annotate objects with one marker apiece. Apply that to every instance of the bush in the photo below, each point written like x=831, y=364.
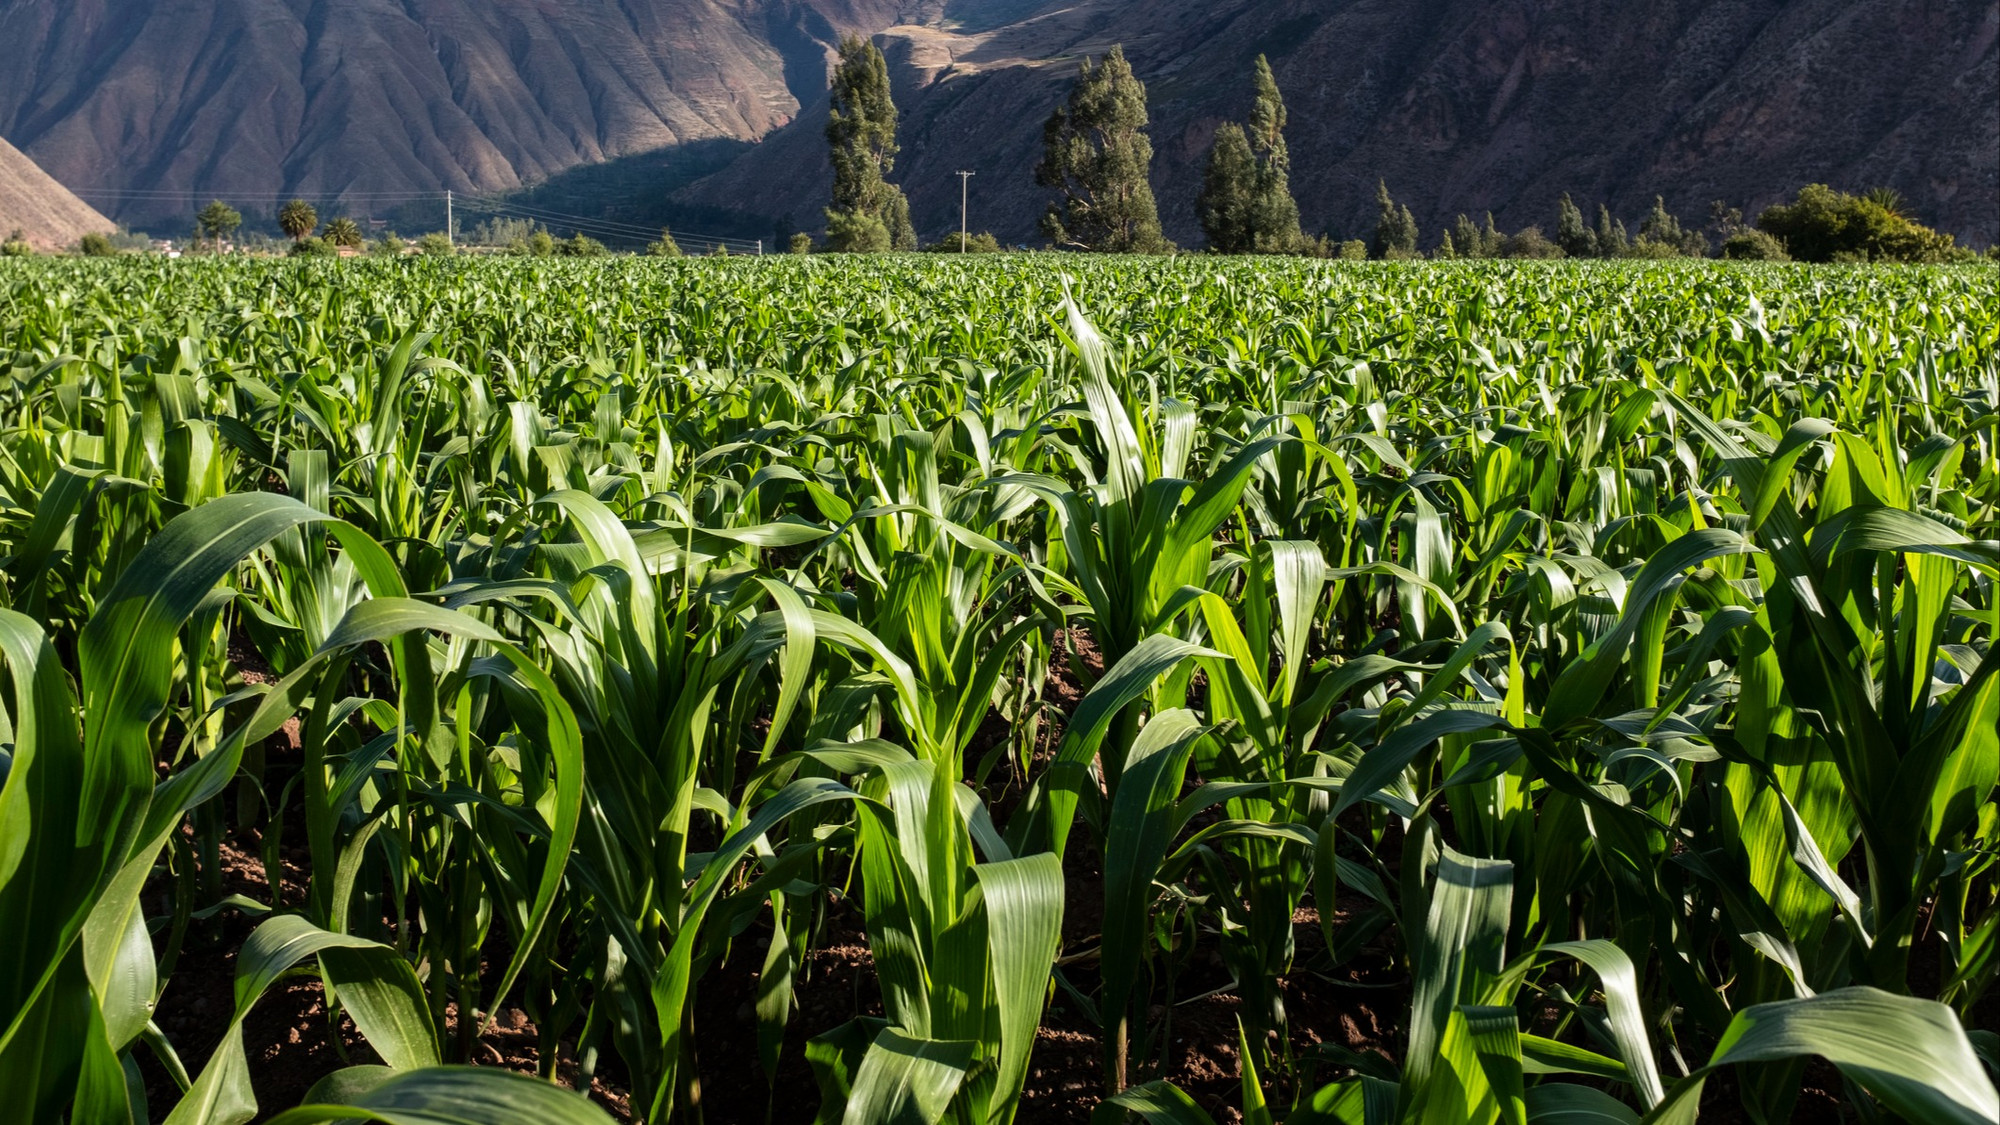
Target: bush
x=1754, y=245
x=802, y=243
x=388, y=246
x=436, y=245
x=97, y=244
x=981, y=243
x=16, y=246
x=312, y=248
x=581, y=246
x=1643, y=247
x=1529, y=242
x=1353, y=250
x=1824, y=225
x=666, y=247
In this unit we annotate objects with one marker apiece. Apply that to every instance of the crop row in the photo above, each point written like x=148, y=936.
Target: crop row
x=1600, y=654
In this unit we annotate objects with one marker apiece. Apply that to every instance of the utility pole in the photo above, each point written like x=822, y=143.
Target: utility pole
x=448, y=231
x=964, y=197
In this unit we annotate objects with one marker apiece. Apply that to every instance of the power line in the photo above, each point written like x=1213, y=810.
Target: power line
x=617, y=232
x=603, y=227
x=500, y=208
x=161, y=195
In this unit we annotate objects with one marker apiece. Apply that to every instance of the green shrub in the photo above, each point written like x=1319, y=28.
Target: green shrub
x=666, y=247
x=96, y=244
x=313, y=248
x=1353, y=250
x=16, y=246
x=436, y=245
x=1651, y=249
x=388, y=246
x=981, y=243
x=1529, y=242
x=1754, y=245
x=802, y=243
x=1824, y=225
x=581, y=246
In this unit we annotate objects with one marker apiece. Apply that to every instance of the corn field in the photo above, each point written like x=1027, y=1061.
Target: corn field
x=1588, y=669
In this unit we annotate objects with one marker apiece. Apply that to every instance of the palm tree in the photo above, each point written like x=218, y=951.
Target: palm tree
x=1887, y=198
x=297, y=219
x=343, y=232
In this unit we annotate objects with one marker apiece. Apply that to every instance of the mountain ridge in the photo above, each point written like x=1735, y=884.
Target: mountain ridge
x=48, y=216
x=148, y=106
x=1464, y=107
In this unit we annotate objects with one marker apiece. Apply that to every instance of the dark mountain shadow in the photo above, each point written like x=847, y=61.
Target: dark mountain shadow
x=621, y=202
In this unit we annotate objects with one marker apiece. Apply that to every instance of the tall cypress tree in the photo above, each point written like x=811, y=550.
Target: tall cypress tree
x=1571, y=234
x=1274, y=214
x=868, y=212
x=1465, y=238
x=1611, y=239
x=1246, y=203
x=1096, y=152
x=1395, y=228
x=1227, y=188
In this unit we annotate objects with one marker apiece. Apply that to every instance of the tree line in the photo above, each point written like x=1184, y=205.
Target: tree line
x=1097, y=161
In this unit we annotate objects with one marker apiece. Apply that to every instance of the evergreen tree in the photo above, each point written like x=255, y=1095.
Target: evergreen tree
x=216, y=222
x=1469, y=240
x=1571, y=233
x=1611, y=239
x=856, y=232
x=1465, y=238
x=1096, y=152
x=1395, y=228
x=666, y=247
x=1274, y=214
x=861, y=131
x=1227, y=187
x=1661, y=235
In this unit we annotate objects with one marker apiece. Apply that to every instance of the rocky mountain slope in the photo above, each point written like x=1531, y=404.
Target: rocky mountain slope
x=44, y=211
x=140, y=102
x=1462, y=105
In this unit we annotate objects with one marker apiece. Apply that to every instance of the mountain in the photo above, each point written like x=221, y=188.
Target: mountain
x=150, y=106
x=1460, y=105
x=44, y=211
x=153, y=105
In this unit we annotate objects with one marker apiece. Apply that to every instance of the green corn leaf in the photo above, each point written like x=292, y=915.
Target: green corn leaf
x=1911, y=1054
x=1161, y=1103
x=907, y=1081
x=1462, y=949
x=1024, y=908
x=452, y=1096
x=1559, y=1103
x=1136, y=840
